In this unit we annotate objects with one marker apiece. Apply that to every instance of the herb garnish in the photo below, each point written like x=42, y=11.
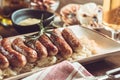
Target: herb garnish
x=42, y=30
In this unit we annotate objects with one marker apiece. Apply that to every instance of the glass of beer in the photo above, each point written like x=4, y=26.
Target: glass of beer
x=111, y=16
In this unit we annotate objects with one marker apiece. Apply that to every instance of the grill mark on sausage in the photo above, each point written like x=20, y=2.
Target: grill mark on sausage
x=4, y=63
x=29, y=53
x=72, y=39
x=15, y=58
x=61, y=44
x=40, y=49
x=51, y=48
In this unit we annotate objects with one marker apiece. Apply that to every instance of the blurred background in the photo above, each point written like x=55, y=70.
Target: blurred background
x=7, y=7
x=64, y=2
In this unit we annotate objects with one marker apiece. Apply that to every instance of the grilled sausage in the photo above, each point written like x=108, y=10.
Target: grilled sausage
x=30, y=54
x=41, y=50
x=4, y=63
x=72, y=39
x=15, y=58
x=51, y=48
x=61, y=44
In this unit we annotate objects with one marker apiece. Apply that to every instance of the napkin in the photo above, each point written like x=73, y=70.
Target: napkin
x=61, y=71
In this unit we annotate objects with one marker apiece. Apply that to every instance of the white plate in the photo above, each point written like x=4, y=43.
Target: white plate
x=107, y=45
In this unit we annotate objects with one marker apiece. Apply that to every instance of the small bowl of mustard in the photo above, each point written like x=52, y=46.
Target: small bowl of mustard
x=26, y=20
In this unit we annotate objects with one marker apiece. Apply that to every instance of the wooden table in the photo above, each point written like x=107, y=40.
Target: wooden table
x=8, y=31
x=96, y=68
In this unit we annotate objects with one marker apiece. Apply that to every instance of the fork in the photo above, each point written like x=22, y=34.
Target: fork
x=113, y=74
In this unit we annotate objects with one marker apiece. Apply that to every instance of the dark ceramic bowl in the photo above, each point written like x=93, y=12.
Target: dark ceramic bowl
x=26, y=13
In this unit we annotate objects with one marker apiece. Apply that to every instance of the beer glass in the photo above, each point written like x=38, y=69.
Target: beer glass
x=111, y=16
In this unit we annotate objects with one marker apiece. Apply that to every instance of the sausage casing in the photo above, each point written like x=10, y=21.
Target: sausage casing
x=29, y=53
x=72, y=39
x=61, y=44
x=4, y=63
x=51, y=48
x=15, y=58
x=40, y=49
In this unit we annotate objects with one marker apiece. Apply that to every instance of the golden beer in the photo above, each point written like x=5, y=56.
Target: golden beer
x=111, y=13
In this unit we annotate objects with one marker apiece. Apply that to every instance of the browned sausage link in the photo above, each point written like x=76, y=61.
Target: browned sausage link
x=51, y=48
x=15, y=58
x=41, y=50
x=72, y=39
x=4, y=63
x=30, y=54
x=61, y=44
